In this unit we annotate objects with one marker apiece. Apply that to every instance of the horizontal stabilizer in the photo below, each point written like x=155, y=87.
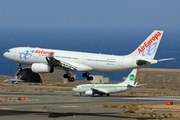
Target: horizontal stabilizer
x=165, y=59
x=136, y=85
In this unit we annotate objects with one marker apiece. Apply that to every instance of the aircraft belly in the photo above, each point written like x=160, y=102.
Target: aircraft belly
x=120, y=65
x=102, y=67
x=112, y=90
x=107, y=68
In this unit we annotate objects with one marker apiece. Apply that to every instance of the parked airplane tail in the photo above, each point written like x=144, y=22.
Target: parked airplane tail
x=131, y=78
x=149, y=47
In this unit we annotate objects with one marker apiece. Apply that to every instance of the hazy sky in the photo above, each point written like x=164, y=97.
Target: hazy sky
x=89, y=13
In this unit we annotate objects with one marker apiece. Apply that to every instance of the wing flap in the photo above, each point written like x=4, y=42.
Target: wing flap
x=67, y=65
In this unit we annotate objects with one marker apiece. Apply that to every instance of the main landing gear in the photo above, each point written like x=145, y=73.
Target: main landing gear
x=72, y=79
x=86, y=74
x=68, y=76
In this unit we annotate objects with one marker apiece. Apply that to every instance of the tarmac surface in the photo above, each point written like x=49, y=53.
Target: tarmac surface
x=56, y=106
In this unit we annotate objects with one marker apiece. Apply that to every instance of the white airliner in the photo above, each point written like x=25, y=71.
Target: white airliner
x=45, y=60
x=15, y=80
x=106, y=89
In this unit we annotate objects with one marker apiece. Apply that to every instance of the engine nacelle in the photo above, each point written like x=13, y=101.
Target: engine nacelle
x=41, y=68
x=88, y=92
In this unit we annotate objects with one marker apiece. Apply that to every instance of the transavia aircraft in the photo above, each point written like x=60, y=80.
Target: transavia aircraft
x=46, y=60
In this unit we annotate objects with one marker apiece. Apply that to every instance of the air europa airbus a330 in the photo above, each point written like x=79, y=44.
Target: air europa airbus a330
x=46, y=60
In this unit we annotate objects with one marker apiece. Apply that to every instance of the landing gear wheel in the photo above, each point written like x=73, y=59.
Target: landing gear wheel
x=68, y=75
x=107, y=94
x=90, y=78
x=101, y=94
x=93, y=93
x=71, y=79
x=86, y=74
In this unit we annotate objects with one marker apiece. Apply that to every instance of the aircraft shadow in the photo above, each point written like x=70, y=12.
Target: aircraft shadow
x=69, y=114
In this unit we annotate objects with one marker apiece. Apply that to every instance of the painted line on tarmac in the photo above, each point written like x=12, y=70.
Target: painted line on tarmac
x=145, y=98
x=7, y=108
x=69, y=106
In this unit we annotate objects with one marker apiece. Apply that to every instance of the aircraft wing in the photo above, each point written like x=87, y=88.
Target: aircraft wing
x=66, y=64
x=96, y=90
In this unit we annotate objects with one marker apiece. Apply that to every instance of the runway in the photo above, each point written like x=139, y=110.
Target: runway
x=43, y=106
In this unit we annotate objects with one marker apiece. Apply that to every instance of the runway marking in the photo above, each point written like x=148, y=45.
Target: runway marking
x=71, y=100
x=144, y=98
x=6, y=108
x=69, y=106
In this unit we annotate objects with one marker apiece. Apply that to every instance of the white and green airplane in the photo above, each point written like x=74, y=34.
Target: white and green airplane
x=107, y=89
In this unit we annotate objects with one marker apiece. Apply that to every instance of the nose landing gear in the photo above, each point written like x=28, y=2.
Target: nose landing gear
x=20, y=68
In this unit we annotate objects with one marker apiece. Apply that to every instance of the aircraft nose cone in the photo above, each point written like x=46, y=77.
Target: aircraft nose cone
x=73, y=89
x=5, y=55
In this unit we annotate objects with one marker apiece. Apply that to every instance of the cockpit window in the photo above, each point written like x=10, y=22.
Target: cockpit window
x=8, y=51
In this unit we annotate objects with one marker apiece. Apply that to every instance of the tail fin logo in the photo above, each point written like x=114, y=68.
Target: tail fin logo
x=150, y=50
x=132, y=77
x=149, y=45
x=26, y=54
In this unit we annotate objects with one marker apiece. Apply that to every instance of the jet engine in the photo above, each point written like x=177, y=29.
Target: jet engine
x=41, y=68
x=88, y=92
